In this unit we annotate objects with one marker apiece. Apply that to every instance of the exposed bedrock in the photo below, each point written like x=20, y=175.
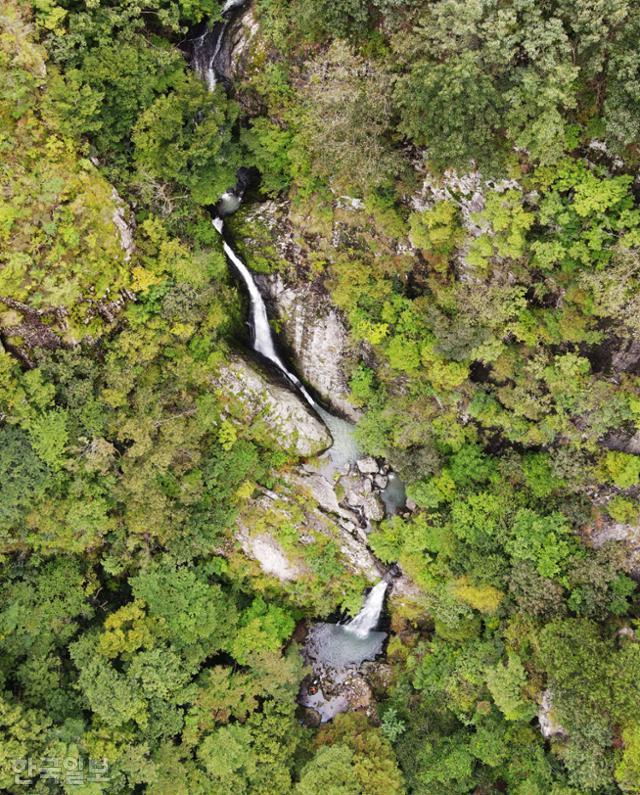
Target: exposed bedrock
x=315, y=336
x=254, y=395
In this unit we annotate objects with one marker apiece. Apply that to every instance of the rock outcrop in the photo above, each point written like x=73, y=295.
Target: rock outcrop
x=549, y=726
x=268, y=512
x=253, y=395
x=268, y=553
x=241, y=42
x=315, y=335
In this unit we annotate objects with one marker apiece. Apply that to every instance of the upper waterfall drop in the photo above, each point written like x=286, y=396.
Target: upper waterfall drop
x=262, y=334
x=207, y=48
x=367, y=619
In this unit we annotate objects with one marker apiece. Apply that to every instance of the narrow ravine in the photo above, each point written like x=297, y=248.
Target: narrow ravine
x=261, y=334
x=335, y=651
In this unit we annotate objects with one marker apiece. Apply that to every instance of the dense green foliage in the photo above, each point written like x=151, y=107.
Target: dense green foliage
x=488, y=273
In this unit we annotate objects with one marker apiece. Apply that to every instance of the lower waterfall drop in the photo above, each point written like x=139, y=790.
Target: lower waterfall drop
x=368, y=618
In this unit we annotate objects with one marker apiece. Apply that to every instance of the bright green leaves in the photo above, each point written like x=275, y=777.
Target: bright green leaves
x=622, y=469
x=22, y=732
x=595, y=196
x=49, y=437
x=192, y=611
x=331, y=771
x=539, y=476
x=478, y=518
x=627, y=771
x=262, y=628
x=510, y=222
x=228, y=757
x=269, y=145
x=544, y=541
x=506, y=684
x=437, y=230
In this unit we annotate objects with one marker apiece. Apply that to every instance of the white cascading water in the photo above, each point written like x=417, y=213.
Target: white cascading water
x=262, y=335
x=204, y=59
x=367, y=619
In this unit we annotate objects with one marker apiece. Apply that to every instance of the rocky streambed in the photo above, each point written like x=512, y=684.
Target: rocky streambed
x=337, y=495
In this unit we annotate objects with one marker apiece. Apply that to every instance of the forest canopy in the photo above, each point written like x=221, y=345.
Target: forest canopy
x=458, y=180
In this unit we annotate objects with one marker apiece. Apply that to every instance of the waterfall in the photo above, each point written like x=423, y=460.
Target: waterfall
x=367, y=619
x=262, y=334
x=206, y=48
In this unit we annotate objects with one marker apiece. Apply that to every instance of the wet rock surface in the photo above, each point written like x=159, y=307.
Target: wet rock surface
x=340, y=682
x=549, y=726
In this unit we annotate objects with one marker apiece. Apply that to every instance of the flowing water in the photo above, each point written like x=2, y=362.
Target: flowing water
x=339, y=648
x=344, y=450
x=260, y=328
x=206, y=48
x=333, y=646
x=394, y=495
x=367, y=619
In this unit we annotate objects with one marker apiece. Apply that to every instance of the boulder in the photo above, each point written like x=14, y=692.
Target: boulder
x=368, y=466
x=373, y=508
x=323, y=493
x=269, y=554
x=284, y=508
x=358, y=493
x=256, y=397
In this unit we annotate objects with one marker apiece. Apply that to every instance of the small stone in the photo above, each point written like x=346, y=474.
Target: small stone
x=367, y=486
x=381, y=481
x=411, y=506
x=367, y=465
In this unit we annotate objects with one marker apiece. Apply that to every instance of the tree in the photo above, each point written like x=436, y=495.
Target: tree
x=506, y=684
x=331, y=771
x=453, y=109
x=184, y=138
x=346, y=122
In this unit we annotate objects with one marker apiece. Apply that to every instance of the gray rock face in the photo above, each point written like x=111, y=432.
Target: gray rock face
x=627, y=443
x=124, y=223
x=323, y=493
x=627, y=357
x=468, y=192
x=317, y=521
x=358, y=493
x=263, y=400
x=373, y=508
x=269, y=554
x=241, y=42
x=549, y=727
x=316, y=337
x=626, y=535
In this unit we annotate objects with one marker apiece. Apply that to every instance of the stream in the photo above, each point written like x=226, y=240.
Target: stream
x=335, y=651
